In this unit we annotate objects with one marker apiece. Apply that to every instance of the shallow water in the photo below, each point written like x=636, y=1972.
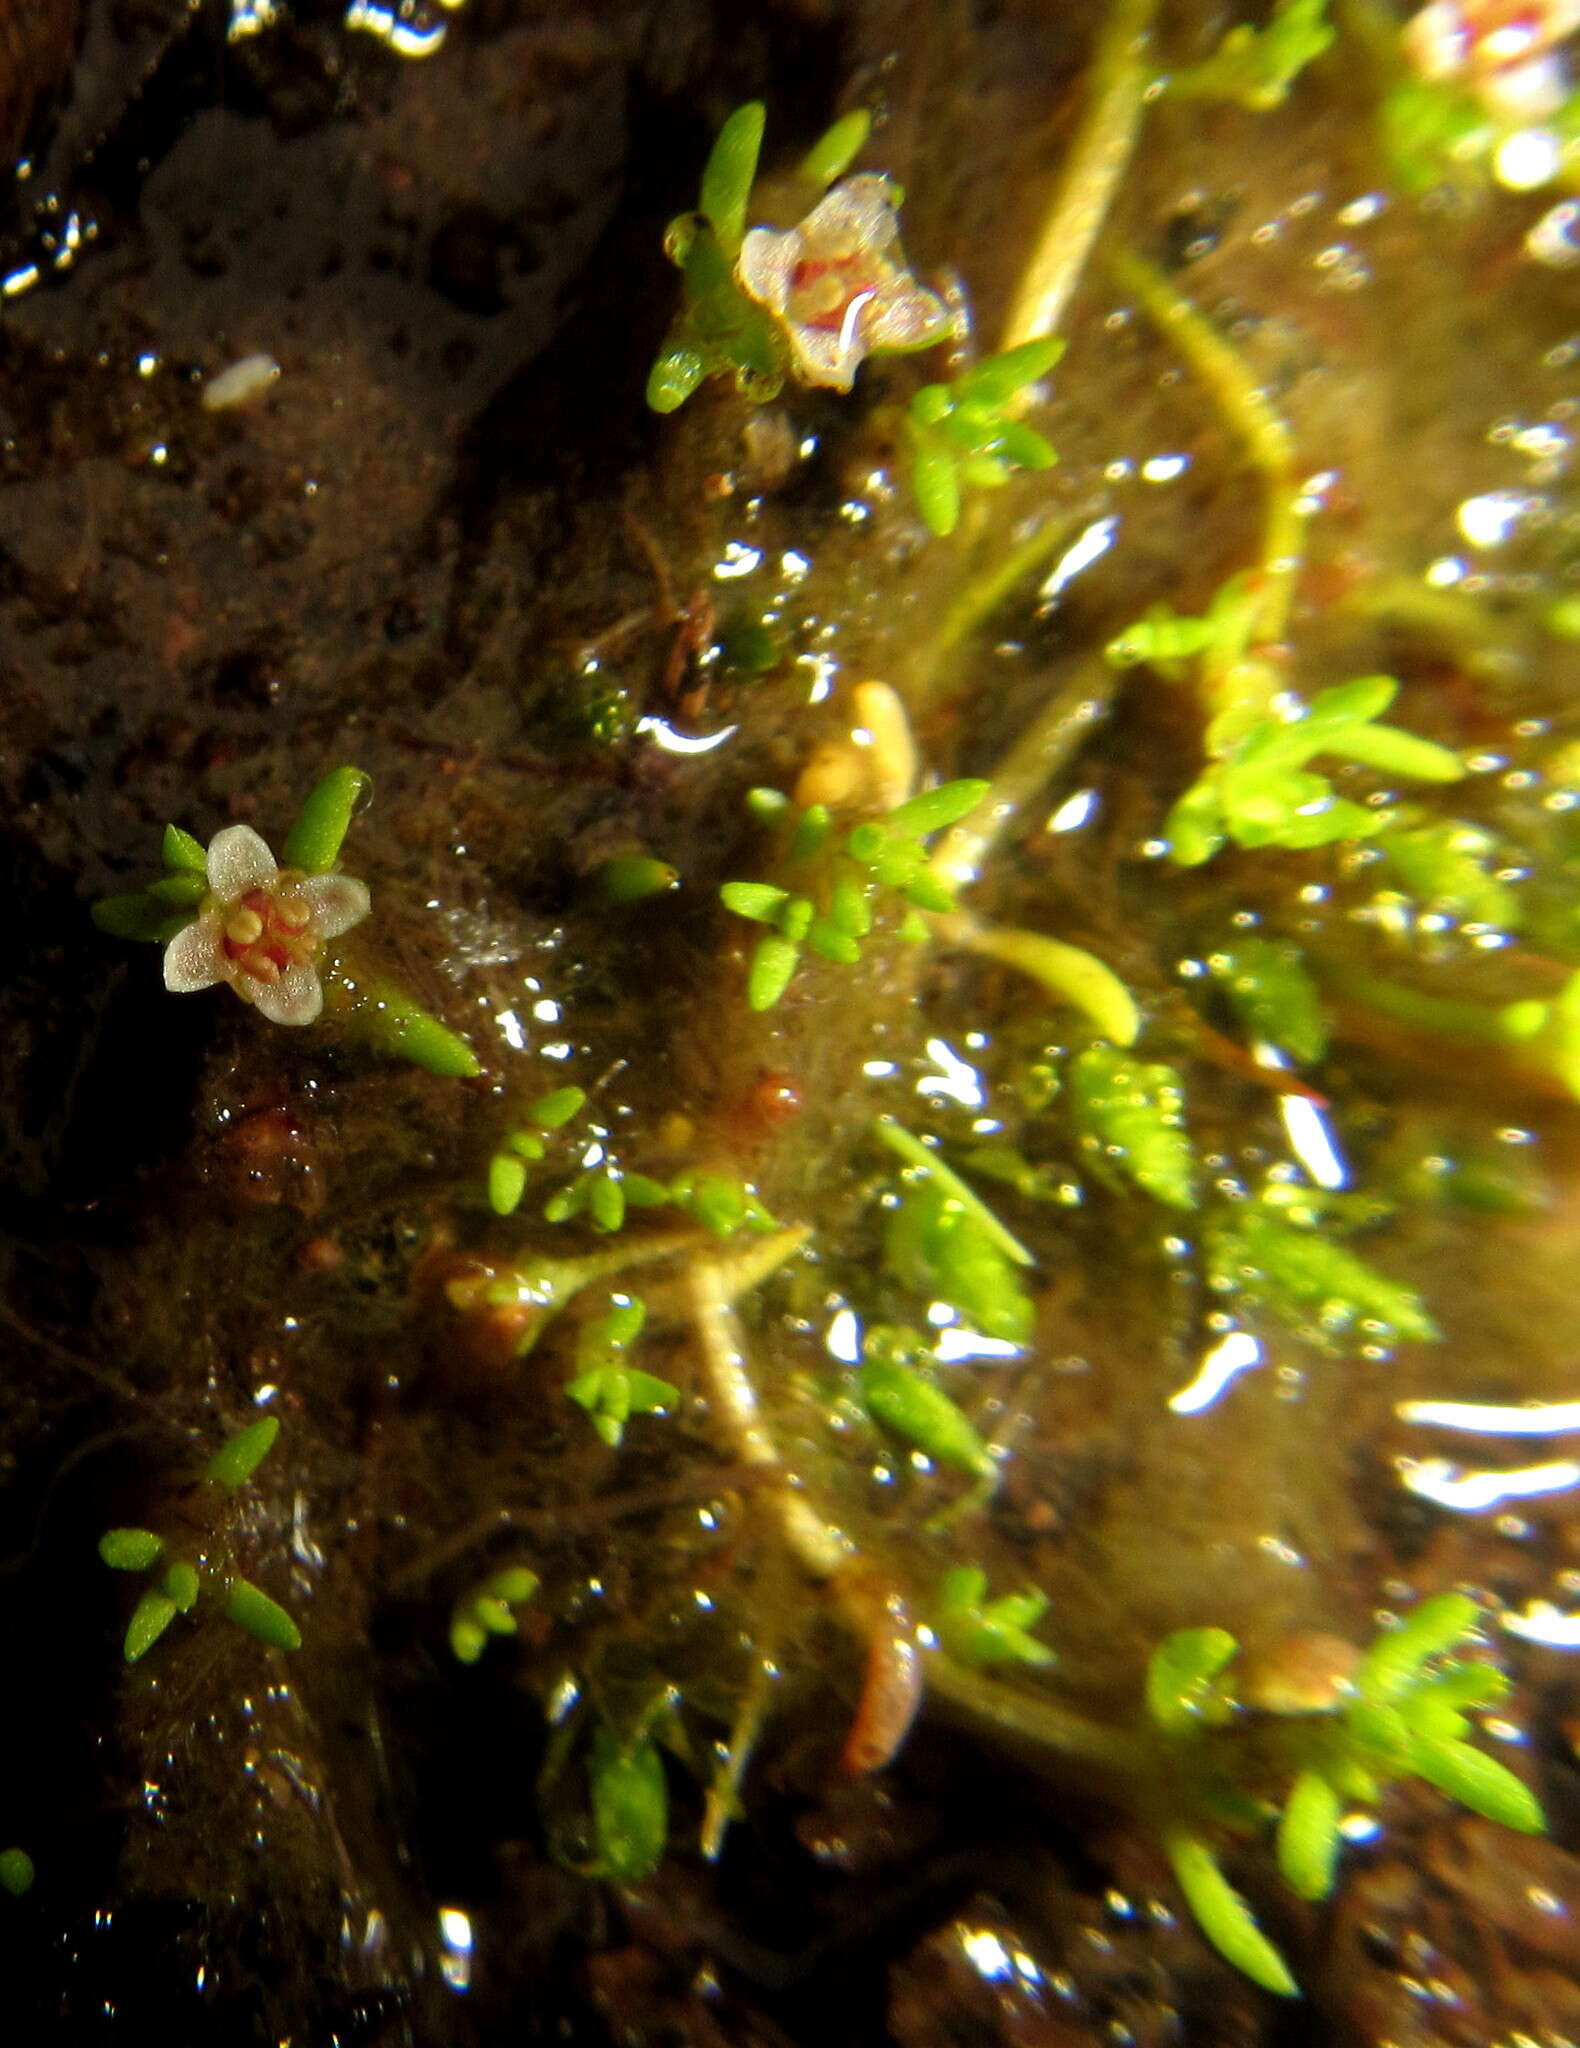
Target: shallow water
x=448, y=542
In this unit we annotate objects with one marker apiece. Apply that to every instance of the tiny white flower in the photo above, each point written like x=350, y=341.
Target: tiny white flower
x=840, y=284
x=260, y=928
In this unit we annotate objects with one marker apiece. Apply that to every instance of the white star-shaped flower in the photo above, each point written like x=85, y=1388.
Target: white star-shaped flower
x=260, y=928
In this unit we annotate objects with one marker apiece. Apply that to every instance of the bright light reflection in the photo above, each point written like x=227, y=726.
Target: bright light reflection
x=1074, y=812
x=1163, y=469
x=844, y=1338
x=1473, y=1493
x=664, y=735
x=1488, y=1419
x=989, y=1957
x=737, y=560
x=455, y=1940
x=1542, y=1622
x=1093, y=543
x=958, y=1080
x=1490, y=520
x=1238, y=1351
x=955, y=1347
x=1311, y=1140
x=402, y=28
x=1527, y=160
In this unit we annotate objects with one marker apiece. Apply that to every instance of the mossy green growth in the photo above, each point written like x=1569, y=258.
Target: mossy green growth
x=898, y=1395
x=943, y=1243
x=1276, y=1255
x=1449, y=868
x=630, y=1805
x=1273, y=996
x=1130, y=1117
x=16, y=1871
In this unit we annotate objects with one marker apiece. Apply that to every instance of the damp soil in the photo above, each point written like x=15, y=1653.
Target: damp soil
x=450, y=544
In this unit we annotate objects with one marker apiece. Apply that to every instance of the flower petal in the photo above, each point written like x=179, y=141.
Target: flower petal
x=193, y=958
x=296, y=998
x=335, y=903
x=858, y=213
x=238, y=860
x=904, y=314
x=827, y=356
x=766, y=264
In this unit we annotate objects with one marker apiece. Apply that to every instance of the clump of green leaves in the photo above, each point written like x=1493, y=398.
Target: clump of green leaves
x=488, y=1609
x=834, y=914
x=1255, y=67
x=509, y=1167
x=1275, y=1251
x=629, y=1796
x=975, y=1630
x=1130, y=1115
x=967, y=434
x=1405, y=1713
x=719, y=330
x=1273, y=996
x=1261, y=791
x=610, y=1388
x=184, y=1578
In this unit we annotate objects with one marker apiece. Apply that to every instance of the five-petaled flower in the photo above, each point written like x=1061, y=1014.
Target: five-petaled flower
x=260, y=928
x=840, y=284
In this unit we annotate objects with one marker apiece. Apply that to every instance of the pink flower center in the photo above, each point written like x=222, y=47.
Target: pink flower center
x=264, y=935
x=823, y=289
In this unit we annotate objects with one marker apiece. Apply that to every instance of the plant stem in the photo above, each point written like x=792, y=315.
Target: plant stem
x=1034, y=1718
x=1098, y=160
x=1052, y=739
x=1262, y=430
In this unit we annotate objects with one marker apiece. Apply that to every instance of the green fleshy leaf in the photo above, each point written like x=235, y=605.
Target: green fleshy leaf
x=552, y=1111
x=1274, y=996
x=634, y=878
x=1396, y=1661
x=630, y=1806
x=313, y=843
x=16, y=1871
x=391, y=1022
x=180, y=1583
x=1447, y=866
x=182, y=891
x=1308, y=1836
x=727, y=176
x=131, y=1550
x=1182, y=1689
x=679, y=369
x=251, y=1608
x=975, y=1630
x=913, y=1408
x=1224, y=1917
x=234, y=1463
x=935, y=479
x=138, y=916
x=180, y=850
x=151, y=1616
x=1131, y=1117
x=507, y=1183
x=997, y=379
x=940, y=1249
x=771, y=972
x=1478, y=1781
x=837, y=148
x=919, y=817
x=759, y=901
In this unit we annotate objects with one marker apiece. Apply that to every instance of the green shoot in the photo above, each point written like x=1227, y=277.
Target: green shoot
x=915, y=1152
x=488, y=1609
x=630, y=1805
x=313, y=843
x=975, y=1630
x=1262, y=1254
x=1255, y=67
x=1309, y=1840
x=1131, y=1118
x=235, y=1462
x=634, y=878
x=967, y=434
x=897, y=1396
x=948, y=1247
x=131, y=1550
x=1274, y=997
x=181, y=853
x=1182, y=1689
x=509, y=1167
x=832, y=155
x=1259, y=792
x=611, y=1390
x=389, y=1020
x=16, y=1871
x=883, y=855
x=252, y=1609
x=719, y=330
